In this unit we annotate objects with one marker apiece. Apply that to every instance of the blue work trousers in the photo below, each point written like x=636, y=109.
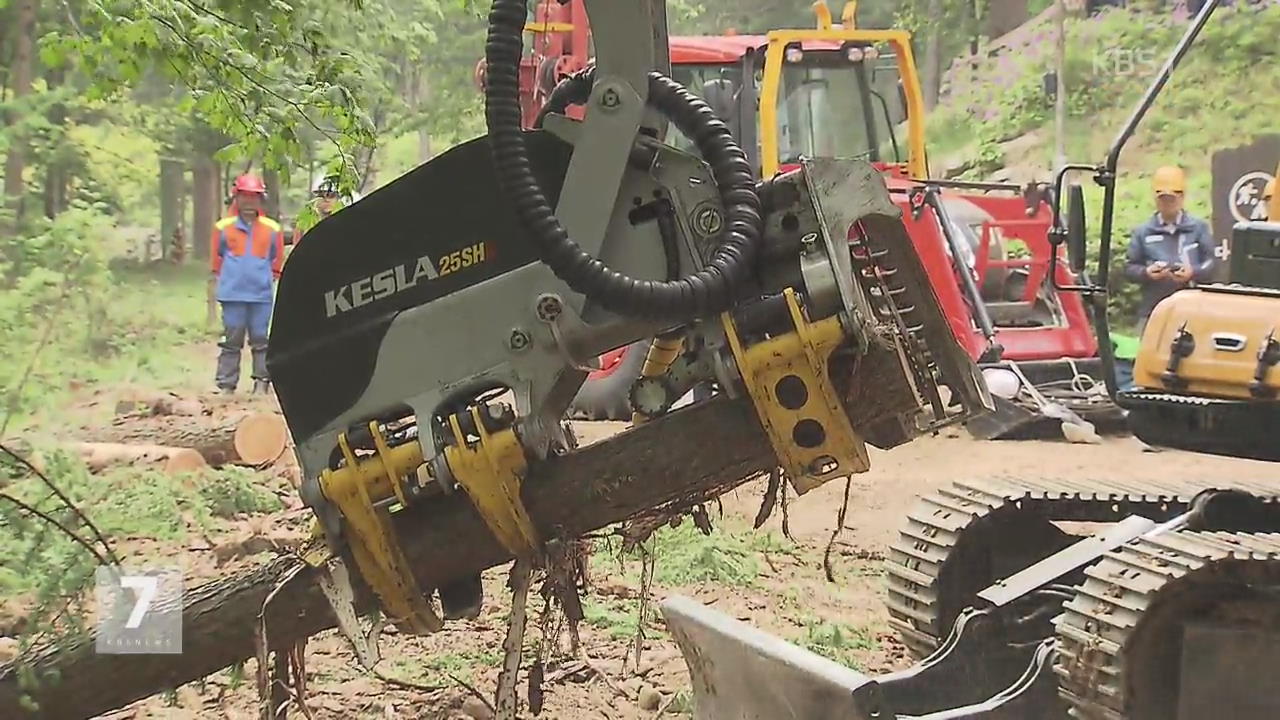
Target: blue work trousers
x=241, y=319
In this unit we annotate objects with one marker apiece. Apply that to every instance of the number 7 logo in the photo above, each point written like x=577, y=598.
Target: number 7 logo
x=145, y=587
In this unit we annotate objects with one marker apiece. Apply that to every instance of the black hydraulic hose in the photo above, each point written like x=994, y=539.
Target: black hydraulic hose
x=710, y=290
x=573, y=90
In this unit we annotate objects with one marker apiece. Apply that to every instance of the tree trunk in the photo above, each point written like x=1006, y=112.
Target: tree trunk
x=933, y=57
x=149, y=402
x=662, y=463
x=15, y=161
x=55, y=178
x=421, y=97
x=171, y=460
x=206, y=203
x=271, y=179
x=252, y=439
x=171, y=172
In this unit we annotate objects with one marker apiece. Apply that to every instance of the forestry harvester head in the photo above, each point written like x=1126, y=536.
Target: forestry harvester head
x=506, y=265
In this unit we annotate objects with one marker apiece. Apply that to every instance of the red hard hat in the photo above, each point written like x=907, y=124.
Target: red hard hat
x=250, y=183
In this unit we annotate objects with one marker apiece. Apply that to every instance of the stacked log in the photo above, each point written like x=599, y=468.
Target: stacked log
x=254, y=438
x=171, y=460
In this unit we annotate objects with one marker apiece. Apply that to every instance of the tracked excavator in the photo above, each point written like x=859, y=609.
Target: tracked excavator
x=1171, y=611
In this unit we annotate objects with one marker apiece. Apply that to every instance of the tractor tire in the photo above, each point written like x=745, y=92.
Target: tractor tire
x=606, y=393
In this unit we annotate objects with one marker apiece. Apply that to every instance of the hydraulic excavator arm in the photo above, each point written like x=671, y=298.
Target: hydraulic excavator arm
x=504, y=266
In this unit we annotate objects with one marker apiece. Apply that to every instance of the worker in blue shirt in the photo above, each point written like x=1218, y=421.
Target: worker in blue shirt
x=1172, y=249
x=246, y=254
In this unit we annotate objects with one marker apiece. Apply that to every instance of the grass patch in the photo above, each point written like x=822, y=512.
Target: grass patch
x=235, y=491
x=835, y=641
x=615, y=617
x=123, y=331
x=685, y=557
x=123, y=503
x=432, y=668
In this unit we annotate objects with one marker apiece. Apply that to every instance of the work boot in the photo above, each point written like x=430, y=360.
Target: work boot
x=226, y=390
x=462, y=599
x=261, y=387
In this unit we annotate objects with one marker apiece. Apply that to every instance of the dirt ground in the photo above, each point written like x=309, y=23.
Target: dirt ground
x=760, y=576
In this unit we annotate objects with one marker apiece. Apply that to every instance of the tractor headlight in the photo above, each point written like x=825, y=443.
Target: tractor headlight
x=794, y=54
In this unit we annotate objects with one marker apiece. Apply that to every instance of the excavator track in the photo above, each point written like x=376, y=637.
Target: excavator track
x=963, y=537
x=1117, y=660
x=1243, y=428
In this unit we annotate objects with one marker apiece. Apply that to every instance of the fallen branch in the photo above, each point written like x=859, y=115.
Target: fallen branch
x=66, y=501
x=665, y=706
x=513, y=645
x=661, y=464
x=826, y=554
x=472, y=689
x=770, y=498
x=406, y=684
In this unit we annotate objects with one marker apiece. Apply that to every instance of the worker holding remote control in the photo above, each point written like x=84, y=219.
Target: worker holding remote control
x=1172, y=249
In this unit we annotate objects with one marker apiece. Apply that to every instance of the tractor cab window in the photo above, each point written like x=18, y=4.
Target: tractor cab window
x=718, y=86
x=830, y=105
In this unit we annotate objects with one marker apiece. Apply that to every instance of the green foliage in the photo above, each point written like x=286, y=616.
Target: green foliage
x=837, y=641
x=70, y=319
x=615, y=617
x=236, y=491
x=118, y=164
x=258, y=72
x=685, y=556
x=52, y=572
x=1213, y=100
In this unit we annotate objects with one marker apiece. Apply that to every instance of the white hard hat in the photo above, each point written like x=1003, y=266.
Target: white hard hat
x=1001, y=382
x=325, y=183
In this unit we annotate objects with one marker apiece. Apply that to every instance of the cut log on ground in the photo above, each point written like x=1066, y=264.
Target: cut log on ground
x=153, y=403
x=171, y=460
x=260, y=438
x=661, y=463
x=256, y=438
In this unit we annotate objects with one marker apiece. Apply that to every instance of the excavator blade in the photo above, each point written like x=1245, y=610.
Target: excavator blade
x=740, y=673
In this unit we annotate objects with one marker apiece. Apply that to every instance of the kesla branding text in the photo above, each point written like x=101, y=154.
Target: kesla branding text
x=399, y=278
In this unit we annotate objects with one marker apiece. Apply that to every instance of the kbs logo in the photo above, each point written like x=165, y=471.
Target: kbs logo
x=384, y=284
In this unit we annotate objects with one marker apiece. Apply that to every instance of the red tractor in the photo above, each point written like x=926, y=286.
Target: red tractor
x=839, y=91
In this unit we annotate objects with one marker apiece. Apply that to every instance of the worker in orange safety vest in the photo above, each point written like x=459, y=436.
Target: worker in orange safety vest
x=246, y=254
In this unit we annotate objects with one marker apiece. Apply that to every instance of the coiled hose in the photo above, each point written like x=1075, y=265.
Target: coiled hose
x=708, y=291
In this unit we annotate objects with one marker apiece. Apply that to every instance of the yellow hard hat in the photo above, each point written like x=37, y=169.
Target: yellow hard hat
x=1169, y=180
